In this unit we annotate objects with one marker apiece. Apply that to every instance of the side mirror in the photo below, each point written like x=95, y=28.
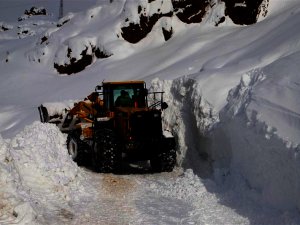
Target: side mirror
x=164, y=105
x=144, y=92
x=98, y=88
x=93, y=96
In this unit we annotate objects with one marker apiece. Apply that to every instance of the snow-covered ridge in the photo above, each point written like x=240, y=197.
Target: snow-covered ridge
x=104, y=30
x=100, y=28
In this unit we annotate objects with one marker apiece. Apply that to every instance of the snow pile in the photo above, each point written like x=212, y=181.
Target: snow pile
x=41, y=148
x=13, y=208
x=41, y=172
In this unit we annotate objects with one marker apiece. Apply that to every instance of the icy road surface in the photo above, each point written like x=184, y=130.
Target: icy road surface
x=167, y=198
x=40, y=184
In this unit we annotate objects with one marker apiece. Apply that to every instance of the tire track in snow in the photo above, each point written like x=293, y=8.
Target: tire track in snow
x=165, y=198
x=111, y=201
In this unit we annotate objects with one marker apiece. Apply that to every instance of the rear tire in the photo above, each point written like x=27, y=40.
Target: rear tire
x=107, y=155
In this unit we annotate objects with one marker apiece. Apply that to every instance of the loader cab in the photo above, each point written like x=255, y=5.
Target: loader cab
x=124, y=94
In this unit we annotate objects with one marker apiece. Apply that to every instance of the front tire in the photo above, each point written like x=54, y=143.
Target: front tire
x=107, y=155
x=75, y=148
x=164, y=161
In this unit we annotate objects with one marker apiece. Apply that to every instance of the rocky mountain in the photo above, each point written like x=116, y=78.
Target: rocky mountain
x=131, y=22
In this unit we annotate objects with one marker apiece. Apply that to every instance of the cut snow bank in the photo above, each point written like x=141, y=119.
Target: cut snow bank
x=189, y=116
x=253, y=140
x=258, y=136
x=39, y=171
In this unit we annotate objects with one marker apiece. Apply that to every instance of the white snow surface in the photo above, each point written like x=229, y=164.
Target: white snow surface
x=234, y=108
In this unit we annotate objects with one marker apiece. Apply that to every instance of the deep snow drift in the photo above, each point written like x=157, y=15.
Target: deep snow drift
x=232, y=93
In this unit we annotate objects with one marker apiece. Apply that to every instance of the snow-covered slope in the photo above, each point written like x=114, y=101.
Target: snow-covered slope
x=232, y=90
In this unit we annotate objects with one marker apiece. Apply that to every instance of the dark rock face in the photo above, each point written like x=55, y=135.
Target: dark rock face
x=167, y=33
x=101, y=53
x=77, y=65
x=245, y=12
x=242, y=12
x=5, y=27
x=35, y=11
x=61, y=23
x=190, y=11
x=136, y=32
x=44, y=39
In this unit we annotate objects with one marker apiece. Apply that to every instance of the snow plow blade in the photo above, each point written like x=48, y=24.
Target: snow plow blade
x=63, y=120
x=44, y=115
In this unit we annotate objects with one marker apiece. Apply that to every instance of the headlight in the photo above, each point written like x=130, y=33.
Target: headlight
x=103, y=119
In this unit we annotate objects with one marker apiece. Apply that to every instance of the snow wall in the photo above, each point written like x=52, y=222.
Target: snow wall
x=253, y=141
x=258, y=134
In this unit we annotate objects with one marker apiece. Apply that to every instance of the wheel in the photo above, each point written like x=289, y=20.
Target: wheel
x=75, y=148
x=164, y=161
x=107, y=155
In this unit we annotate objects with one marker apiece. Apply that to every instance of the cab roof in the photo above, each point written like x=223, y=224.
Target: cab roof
x=125, y=82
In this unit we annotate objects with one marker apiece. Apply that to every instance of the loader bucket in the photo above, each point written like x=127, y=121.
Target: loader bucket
x=44, y=116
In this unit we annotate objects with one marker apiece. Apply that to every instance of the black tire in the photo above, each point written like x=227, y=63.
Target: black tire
x=75, y=148
x=107, y=155
x=164, y=161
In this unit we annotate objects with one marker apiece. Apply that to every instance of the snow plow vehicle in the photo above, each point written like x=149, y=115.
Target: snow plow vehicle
x=120, y=121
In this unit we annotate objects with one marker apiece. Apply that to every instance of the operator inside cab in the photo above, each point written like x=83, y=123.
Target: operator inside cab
x=124, y=100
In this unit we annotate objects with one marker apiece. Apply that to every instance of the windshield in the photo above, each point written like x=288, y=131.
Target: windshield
x=131, y=95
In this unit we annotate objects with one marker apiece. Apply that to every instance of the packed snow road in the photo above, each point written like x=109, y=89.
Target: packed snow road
x=167, y=198
x=40, y=184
